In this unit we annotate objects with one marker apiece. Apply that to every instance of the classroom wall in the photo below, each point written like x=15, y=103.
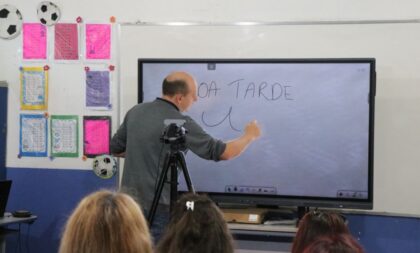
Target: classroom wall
x=51, y=189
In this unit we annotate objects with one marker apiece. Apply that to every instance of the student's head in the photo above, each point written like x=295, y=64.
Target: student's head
x=106, y=222
x=181, y=89
x=342, y=243
x=196, y=226
x=315, y=224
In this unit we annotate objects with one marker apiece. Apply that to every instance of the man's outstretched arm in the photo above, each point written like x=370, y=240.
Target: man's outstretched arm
x=235, y=147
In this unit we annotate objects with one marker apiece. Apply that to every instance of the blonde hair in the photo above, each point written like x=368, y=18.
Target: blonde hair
x=106, y=222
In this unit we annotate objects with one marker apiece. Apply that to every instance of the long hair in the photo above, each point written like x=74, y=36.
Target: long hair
x=106, y=222
x=342, y=243
x=317, y=223
x=196, y=226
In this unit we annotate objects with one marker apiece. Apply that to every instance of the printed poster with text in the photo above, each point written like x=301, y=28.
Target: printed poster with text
x=98, y=90
x=34, y=41
x=33, y=88
x=64, y=135
x=66, y=42
x=33, y=135
x=98, y=41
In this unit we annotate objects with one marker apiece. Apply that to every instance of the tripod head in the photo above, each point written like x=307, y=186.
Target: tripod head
x=174, y=134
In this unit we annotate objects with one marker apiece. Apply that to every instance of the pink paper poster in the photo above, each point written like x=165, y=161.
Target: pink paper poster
x=97, y=131
x=34, y=41
x=66, y=43
x=98, y=41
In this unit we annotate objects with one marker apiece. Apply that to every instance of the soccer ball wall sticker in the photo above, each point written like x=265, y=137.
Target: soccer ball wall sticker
x=48, y=13
x=104, y=166
x=10, y=22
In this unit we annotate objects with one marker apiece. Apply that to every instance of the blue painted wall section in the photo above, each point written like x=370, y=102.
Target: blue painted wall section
x=51, y=194
x=386, y=234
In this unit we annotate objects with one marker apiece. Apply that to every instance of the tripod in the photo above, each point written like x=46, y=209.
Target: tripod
x=173, y=159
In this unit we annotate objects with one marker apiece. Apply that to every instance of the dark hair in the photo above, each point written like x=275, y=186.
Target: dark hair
x=171, y=88
x=199, y=229
x=315, y=224
x=341, y=243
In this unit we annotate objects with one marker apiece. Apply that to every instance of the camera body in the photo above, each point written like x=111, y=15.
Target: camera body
x=174, y=133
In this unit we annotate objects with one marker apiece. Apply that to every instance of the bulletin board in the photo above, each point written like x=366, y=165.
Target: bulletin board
x=70, y=77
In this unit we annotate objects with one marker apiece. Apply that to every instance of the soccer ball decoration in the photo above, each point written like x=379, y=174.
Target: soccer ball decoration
x=48, y=13
x=104, y=166
x=10, y=22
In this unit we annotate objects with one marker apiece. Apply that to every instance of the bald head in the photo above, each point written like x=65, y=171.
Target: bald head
x=180, y=88
x=177, y=83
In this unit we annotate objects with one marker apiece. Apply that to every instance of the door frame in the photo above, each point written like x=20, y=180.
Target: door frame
x=4, y=88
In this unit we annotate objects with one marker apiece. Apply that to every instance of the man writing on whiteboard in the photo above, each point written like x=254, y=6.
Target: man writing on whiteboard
x=138, y=137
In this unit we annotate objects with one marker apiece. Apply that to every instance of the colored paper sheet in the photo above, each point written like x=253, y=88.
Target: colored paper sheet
x=96, y=135
x=34, y=41
x=33, y=88
x=98, y=41
x=64, y=136
x=66, y=42
x=97, y=89
x=33, y=135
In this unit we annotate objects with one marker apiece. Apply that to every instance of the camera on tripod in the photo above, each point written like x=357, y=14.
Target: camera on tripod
x=174, y=133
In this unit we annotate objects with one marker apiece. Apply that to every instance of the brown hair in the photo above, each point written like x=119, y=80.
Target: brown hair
x=199, y=229
x=317, y=223
x=106, y=222
x=341, y=243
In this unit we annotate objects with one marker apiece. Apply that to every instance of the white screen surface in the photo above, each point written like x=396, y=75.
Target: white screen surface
x=314, y=118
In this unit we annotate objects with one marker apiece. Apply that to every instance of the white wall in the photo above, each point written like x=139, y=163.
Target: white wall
x=233, y=10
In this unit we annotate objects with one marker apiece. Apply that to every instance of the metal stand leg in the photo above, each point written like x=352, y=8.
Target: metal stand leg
x=173, y=159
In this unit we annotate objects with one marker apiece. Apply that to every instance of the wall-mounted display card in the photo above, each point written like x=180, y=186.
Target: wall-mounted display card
x=33, y=88
x=33, y=135
x=34, y=41
x=96, y=135
x=66, y=42
x=98, y=90
x=98, y=41
x=64, y=135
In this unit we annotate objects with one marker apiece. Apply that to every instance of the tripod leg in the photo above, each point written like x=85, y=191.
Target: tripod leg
x=181, y=161
x=174, y=184
x=159, y=189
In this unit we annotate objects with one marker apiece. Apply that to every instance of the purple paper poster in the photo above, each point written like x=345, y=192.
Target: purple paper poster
x=98, y=41
x=66, y=43
x=97, y=89
x=34, y=41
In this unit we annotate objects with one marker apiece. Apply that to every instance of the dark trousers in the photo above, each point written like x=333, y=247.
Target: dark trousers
x=160, y=221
